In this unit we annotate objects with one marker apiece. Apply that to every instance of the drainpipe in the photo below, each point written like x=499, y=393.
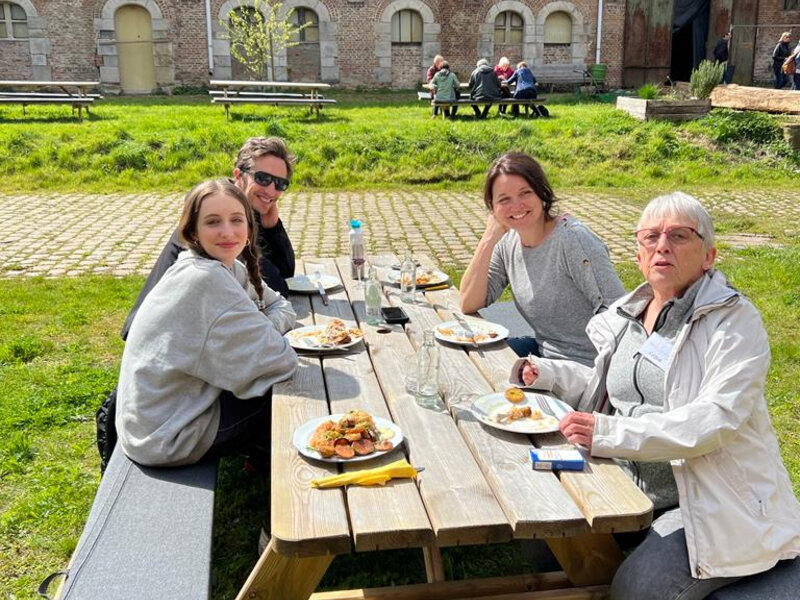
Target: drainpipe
x=599, y=31
x=211, y=41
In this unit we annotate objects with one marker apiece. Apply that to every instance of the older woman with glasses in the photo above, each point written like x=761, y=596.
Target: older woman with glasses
x=676, y=395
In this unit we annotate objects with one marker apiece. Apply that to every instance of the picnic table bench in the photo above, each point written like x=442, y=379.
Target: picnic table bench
x=148, y=536
x=73, y=93
x=478, y=486
x=234, y=92
x=530, y=104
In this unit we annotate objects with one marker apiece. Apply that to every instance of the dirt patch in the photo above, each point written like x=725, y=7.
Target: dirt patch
x=744, y=240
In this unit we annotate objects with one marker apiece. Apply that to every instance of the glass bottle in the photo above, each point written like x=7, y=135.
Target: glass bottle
x=427, y=394
x=408, y=277
x=372, y=297
x=357, y=255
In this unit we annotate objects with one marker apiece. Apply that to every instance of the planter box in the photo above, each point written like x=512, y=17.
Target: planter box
x=664, y=110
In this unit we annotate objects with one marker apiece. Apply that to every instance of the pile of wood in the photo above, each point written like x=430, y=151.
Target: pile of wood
x=741, y=97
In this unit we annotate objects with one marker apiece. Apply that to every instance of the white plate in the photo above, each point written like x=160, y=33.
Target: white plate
x=307, y=284
x=485, y=332
x=302, y=435
x=436, y=277
x=307, y=338
x=487, y=407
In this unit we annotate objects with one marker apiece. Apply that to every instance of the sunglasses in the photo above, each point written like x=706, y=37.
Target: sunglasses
x=264, y=179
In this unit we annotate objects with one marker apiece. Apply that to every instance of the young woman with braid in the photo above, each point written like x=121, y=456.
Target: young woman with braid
x=202, y=356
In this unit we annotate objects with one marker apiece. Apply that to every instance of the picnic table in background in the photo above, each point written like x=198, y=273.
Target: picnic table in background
x=74, y=93
x=236, y=92
x=478, y=486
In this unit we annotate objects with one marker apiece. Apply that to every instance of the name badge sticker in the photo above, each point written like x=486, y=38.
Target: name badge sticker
x=657, y=350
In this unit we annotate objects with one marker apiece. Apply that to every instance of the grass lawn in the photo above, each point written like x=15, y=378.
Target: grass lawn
x=384, y=140
x=59, y=356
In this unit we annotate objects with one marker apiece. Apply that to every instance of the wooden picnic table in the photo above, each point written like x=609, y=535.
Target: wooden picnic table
x=478, y=486
x=233, y=91
x=74, y=93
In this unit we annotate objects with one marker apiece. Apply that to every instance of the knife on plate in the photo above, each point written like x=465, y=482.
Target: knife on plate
x=468, y=332
x=321, y=288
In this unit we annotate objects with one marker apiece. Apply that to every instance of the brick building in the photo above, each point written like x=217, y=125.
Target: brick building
x=139, y=45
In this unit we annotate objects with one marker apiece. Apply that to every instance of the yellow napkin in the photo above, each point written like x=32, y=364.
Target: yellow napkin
x=376, y=476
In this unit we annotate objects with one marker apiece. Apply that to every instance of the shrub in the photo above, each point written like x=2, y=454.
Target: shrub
x=705, y=78
x=728, y=126
x=649, y=91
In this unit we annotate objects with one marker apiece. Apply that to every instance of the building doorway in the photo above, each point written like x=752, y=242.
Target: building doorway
x=134, y=32
x=689, y=37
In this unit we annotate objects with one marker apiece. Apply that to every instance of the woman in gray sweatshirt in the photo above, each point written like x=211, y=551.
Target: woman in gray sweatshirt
x=559, y=271
x=206, y=347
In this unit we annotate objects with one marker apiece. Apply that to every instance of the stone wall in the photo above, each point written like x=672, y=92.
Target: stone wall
x=771, y=13
x=304, y=62
x=406, y=61
x=16, y=62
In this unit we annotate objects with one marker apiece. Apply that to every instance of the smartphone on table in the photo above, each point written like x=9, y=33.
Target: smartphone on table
x=394, y=315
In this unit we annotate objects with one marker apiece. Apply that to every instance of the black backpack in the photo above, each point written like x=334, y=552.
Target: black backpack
x=106, y=429
x=542, y=110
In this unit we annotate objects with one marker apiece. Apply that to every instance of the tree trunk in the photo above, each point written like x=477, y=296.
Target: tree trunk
x=752, y=98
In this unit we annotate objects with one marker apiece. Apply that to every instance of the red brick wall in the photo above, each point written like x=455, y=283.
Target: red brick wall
x=189, y=43
x=558, y=54
x=406, y=61
x=304, y=62
x=511, y=51
x=769, y=12
x=70, y=28
x=612, y=42
x=16, y=60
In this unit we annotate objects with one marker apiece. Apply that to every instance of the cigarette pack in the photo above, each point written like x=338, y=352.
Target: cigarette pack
x=556, y=460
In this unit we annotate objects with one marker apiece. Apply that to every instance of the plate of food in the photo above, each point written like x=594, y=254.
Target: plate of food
x=469, y=331
x=520, y=411
x=425, y=277
x=347, y=437
x=335, y=335
x=307, y=284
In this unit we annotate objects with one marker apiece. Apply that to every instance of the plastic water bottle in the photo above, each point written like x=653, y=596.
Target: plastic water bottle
x=372, y=297
x=357, y=256
x=408, y=277
x=427, y=394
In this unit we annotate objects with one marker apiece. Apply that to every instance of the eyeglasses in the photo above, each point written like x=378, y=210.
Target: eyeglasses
x=676, y=236
x=263, y=178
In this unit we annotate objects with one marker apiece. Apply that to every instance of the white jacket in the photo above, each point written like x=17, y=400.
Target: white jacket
x=739, y=512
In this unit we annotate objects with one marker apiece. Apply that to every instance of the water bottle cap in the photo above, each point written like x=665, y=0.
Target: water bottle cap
x=355, y=223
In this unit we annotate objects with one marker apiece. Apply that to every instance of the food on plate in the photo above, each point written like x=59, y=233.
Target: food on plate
x=335, y=333
x=517, y=413
x=353, y=434
x=514, y=395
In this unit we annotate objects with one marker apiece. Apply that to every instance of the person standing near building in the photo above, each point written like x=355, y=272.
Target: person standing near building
x=780, y=54
x=721, y=55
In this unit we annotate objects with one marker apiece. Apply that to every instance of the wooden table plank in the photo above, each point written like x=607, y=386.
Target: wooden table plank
x=381, y=517
x=460, y=504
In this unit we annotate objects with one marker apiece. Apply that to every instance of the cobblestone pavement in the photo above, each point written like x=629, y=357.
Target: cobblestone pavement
x=59, y=235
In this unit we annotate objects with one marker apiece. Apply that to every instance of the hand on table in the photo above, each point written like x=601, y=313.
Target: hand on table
x=578, y=428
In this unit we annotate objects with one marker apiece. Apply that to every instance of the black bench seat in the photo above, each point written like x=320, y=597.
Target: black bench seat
x=467, y=101
x=148, y=536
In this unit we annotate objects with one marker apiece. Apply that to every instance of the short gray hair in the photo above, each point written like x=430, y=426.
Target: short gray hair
x=680, y=204
x=482, y=62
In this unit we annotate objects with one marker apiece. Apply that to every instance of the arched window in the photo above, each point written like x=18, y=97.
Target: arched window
x=406, y=27
x=508, y=28
x=558, y=28
x=309, y=33
x=13, y=22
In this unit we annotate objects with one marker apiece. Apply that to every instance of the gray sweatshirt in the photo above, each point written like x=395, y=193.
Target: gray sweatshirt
x=558, y=286
x=198, y=332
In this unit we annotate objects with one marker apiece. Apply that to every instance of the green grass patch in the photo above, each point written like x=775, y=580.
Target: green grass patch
x=60, y=346
x=168, y=144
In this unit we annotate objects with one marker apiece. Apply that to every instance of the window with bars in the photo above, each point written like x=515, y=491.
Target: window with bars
x=406, y=27
x=13, y=21
x=508, y=28
x=310, y=33
x=791, y=4
x=558, y=28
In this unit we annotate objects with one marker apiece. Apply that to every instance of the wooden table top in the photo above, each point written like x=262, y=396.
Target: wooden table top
x=21, y=83
x=274, y=84
x=478, y=486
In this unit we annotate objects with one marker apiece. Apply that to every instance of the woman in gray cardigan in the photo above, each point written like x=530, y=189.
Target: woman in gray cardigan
x=559, y=271
x=206, y=347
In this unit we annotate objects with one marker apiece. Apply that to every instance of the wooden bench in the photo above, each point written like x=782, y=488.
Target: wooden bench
x=79, y=102
x=148, y=536
x=527, y=103
x=314, y=104
x=233, y=92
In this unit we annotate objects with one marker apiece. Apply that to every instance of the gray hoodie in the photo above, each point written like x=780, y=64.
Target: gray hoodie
x=198, y=332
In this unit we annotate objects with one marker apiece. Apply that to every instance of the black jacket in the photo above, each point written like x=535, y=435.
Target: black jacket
x=484, y=84
x=277, y=263
x=781, y=52
x=721, y=51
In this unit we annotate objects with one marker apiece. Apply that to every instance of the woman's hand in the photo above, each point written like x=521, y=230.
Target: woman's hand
x=578, y=428
x=530, y=372
x=494, y=230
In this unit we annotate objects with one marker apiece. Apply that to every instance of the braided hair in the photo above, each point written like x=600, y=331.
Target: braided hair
x=187, y=226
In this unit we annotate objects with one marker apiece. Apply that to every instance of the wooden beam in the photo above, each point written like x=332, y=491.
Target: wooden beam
x=742, y=97
x=587, y=559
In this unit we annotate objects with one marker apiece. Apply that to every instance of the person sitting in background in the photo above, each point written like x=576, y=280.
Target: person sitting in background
x=559, y=271
x=483, y=85
x=431, y=73
x=503, y=71
x=526, y=84
x=676, y=394
x=446, y=88
x=206, y=347
x=796, y=77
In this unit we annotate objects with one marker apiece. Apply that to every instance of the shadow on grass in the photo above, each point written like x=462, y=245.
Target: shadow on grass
x=32, y=118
